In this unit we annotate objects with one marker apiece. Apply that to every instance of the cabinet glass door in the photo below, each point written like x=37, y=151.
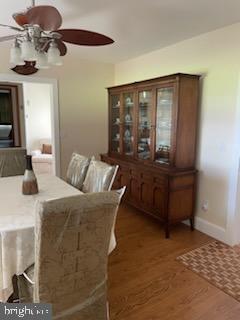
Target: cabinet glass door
x=115, y=123
x=144, y=124
x=128, y=107
x=164, y=124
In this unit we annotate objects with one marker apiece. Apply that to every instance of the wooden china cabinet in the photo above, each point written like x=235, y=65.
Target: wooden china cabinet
x=152, y=137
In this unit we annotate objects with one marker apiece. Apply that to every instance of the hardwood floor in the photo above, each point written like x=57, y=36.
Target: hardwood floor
x=147, y=283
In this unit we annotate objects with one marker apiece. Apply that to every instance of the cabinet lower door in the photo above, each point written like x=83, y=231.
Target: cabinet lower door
x=146, y=194
x=159, y=200
x=122, y=180
x=134, y=190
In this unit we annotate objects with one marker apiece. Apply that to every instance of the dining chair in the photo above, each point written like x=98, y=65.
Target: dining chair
x=72, y=238
x=100, y=177
x=12, y=161
x=77, y=170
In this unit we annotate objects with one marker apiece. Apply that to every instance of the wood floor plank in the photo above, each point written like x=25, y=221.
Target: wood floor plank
x=147, y=283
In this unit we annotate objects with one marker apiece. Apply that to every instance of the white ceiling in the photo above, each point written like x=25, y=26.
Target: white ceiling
x=137, y=26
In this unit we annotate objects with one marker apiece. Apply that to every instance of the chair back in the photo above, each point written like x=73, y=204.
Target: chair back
x=77, y=170
x=12, y=161
x=72, y=242
x=100, y=177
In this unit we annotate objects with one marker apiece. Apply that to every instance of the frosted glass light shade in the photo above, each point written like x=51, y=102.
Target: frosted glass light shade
x=15, y=56
x=54, y=55
x=42, y=61
x=28, y=51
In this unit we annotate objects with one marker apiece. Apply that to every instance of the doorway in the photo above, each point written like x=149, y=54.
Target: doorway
x=38, y=125
x=10, y=135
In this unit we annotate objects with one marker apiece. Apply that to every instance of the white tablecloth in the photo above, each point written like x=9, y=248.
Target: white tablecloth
x=17, y=224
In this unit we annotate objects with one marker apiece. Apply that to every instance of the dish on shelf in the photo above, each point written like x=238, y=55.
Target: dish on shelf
x=144, y=155
x=145, y=140
x=128, y=100
x=162, y=160
x=128, y=118
x=127, y=134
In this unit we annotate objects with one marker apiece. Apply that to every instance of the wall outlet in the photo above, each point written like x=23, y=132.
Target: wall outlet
x=204, y=206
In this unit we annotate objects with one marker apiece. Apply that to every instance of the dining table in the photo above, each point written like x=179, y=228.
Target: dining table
x=17, y=222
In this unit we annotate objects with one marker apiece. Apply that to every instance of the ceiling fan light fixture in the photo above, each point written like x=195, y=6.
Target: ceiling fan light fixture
x=40, y=38
x=15, y=55
x=42, y=60
x=53, y=54
x=28, y=51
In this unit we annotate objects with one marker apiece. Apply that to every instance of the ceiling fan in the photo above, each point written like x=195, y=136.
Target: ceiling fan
x=39, y=42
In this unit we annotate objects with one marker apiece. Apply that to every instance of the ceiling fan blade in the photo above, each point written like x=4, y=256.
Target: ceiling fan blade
x=61, y=46
x=20, y=18
x=7, y=38
x=27, y=69
x=10, y=27
x=84, y=37
x=47, y=17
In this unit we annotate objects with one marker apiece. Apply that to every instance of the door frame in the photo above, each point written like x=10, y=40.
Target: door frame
x=54, y=111
x=233, y=217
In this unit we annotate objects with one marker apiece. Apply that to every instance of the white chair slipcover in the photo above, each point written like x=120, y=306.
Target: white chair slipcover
x=100, y=177
x=71, y=252
x=77, y=170
x=12, y=161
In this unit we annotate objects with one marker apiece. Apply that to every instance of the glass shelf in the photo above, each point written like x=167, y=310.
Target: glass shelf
x=128, y=117
x=129, y=153
x=115, y=126
x=164, y=128
x=163, y=124
x=144, y=124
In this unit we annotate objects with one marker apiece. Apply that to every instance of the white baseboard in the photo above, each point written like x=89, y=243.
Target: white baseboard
x=210, y=229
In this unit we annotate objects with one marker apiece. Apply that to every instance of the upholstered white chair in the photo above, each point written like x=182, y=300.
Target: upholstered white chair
x=77, y=170
x=100, y=177
x=42, y=157
x=71, y=253
x=12, y=161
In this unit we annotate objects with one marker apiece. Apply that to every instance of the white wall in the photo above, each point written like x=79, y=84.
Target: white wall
x=37, y=103
x=216, y=56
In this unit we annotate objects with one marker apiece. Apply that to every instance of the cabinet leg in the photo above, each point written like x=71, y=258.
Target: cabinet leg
x=192, y=223
x=167, y=234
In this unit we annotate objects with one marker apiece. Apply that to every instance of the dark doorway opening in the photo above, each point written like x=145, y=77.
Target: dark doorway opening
x=9, y=117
